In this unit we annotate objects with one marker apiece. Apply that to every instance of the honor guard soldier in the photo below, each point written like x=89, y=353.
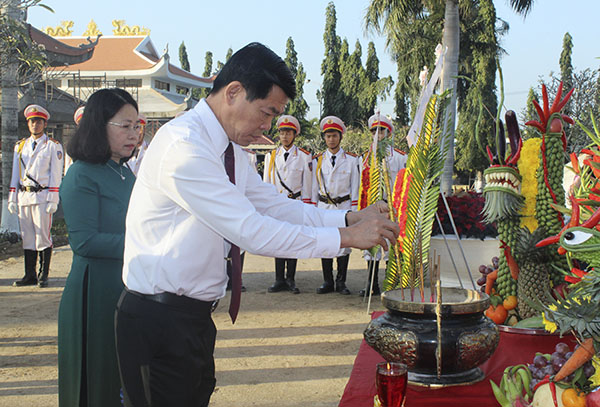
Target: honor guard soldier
x=335, y=186
x=36, y=176
x=136, y=159
x=76, y=118
x=395, y=160
x=289, y=169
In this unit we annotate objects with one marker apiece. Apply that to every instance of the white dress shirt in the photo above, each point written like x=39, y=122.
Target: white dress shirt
x=183, y=208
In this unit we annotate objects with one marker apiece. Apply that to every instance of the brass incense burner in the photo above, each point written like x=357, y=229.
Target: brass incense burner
x=408, y=333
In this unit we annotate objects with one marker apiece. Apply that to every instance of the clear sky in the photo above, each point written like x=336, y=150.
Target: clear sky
x=533, y=44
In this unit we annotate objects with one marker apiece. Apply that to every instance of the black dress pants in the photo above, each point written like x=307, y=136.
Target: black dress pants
x=165, y=351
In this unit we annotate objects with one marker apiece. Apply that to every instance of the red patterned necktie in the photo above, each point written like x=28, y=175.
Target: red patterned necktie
x=234, y=252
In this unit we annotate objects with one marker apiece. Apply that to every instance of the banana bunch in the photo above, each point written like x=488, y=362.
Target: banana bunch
x=515, y=381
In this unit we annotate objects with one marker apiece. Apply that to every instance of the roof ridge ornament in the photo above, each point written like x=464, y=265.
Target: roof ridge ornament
x=63, y=30
x=92, y=30
x=123, y=29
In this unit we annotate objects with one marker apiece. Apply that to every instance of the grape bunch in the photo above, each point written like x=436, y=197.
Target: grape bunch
x=485, y=270
x=548, y=365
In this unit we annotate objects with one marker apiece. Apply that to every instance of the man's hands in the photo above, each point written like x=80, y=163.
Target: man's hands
x=374, y=210
x=369, y=227
x=12, y=208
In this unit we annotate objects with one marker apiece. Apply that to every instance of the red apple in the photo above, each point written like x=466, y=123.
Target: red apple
x=593, y=399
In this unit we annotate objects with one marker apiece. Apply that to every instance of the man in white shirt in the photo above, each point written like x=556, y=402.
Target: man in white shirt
x=288, y=168
x=33, y=195
x=196, y=201
x=335, y=186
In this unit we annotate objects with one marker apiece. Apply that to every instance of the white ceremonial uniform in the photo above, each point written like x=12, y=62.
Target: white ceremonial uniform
x=135, y=161
x=68, y=163
x=295, y=172
x=183, y=211
x=336, y=182
x=396, y=160
x=40, y=168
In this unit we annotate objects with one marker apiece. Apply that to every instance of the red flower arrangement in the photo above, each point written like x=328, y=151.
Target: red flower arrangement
x=466, y=210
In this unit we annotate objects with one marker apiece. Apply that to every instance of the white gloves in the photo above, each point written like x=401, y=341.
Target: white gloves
x=12, y=207
x=51, y=207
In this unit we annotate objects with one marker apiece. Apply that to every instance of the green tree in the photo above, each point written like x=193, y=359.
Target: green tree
x=479, y=91
x=227, y=56
x=529, y=113
x=330, y=70
x=566, y=66
x=200, y=93
x=291, y=56
x=371, y=77
x=183, y=57
x=297, y=107
x=405, y=23
x=353, y=78
x=20, y=61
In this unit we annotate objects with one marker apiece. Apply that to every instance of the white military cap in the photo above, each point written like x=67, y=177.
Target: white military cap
x=288, y=122
x=33, y=111
x=379, y=120
x=142, y=119
x=332, y=123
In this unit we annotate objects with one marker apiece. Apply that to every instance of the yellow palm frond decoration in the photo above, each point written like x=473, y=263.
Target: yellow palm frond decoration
x=424, y=167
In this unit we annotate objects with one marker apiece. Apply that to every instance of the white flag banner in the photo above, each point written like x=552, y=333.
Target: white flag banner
x=415, y=128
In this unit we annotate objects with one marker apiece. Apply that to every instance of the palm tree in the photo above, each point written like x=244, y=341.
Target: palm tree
x=394, y=18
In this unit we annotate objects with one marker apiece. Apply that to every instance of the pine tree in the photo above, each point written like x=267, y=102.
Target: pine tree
x=297, y=107
x=352, y=81
x=529, y=113
x=566, y=67
x=330, y=66
x=291, y=56
x=227, y=56
x=372, y=76
x=200, y=93
x=183, y=57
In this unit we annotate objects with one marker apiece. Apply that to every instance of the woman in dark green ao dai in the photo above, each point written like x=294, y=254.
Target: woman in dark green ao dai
x=95, y=195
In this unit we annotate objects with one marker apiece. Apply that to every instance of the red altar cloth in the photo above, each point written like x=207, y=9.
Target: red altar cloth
x=513, y=349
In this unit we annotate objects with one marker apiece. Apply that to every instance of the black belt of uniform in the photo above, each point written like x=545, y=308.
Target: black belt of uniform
x=294, y=195
x=179, y=301
x=335, y=201
x=31, y=189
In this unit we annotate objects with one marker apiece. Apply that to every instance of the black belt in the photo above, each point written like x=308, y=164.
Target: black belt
x=334, y=201
x=179, y=301
x=294, y=196
x=31, y=189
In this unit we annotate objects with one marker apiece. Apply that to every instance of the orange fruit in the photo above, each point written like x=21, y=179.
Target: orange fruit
x=573, y=398
x=510, y=302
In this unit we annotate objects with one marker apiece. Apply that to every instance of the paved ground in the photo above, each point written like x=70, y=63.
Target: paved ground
x=285, y=350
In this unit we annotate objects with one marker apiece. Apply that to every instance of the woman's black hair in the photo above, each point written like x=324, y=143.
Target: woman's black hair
x=90, y=142
x=257, y=68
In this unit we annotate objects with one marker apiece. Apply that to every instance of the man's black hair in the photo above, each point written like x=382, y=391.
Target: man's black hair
x=90, y=142
x=257, y=68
